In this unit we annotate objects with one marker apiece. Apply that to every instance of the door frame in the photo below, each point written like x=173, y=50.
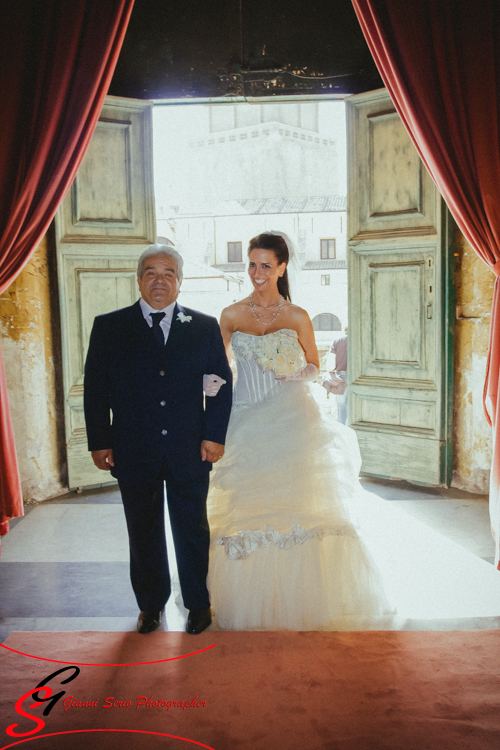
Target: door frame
x=449, y=228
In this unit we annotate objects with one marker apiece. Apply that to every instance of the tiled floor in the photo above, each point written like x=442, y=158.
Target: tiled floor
x=64, y=566
x=458, y=515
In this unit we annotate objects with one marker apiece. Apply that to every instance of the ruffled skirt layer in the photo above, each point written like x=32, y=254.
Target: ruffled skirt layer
x=286, y=546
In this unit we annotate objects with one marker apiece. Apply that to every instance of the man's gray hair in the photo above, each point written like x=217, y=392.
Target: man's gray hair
x=160, y=250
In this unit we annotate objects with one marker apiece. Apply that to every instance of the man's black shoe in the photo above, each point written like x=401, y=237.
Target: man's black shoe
x=198, y=621
x=148, y=621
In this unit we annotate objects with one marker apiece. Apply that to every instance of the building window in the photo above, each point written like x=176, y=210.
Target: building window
x=327, y=249
x=234, y=252
x=325, y=279
x=326, y=322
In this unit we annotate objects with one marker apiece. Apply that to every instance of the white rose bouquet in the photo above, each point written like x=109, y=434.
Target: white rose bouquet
x=279, y=352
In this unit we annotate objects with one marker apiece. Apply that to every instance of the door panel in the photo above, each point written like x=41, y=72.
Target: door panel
x=102, y=226
x=395, y=299
x=390, y=191
x=397, y=271
x=395, y=170
x=401, y=457
x=111, y=199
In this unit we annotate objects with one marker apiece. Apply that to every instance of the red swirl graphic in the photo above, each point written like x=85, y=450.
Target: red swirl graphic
x=136, y=731
x=86, y=664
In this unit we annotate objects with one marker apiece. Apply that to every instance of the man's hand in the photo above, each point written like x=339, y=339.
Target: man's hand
x=104, y=459
x=211, y=451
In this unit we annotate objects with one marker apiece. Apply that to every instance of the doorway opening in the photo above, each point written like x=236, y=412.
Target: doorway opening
x=226, y=172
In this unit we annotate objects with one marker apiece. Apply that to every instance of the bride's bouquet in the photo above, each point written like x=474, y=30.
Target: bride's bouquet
x=279, y=352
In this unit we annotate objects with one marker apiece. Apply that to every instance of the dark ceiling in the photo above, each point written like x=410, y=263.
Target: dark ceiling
x=198, y=48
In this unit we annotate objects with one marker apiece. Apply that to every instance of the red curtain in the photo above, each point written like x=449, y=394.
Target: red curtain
x=57, y=58
x=440, y=62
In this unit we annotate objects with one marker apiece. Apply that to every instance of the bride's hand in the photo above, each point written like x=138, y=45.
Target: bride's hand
x=308, y=372
x=212, y=384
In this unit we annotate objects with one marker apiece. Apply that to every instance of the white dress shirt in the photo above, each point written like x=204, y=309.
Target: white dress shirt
x=165, y=323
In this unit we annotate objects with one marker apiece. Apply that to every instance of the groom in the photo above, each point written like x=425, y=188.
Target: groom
x=146, y=364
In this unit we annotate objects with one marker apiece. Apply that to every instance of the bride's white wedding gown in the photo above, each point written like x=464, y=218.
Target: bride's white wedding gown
x=286, y=551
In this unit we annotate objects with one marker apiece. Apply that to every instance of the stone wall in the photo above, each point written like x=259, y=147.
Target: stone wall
x=471, y=433
x=30, y=341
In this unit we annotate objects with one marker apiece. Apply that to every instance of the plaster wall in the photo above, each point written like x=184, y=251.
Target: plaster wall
x=204, y=239
x=298, y=162
x=317, y=298
x=29, y=340
x=472, y=443
x=314, y=227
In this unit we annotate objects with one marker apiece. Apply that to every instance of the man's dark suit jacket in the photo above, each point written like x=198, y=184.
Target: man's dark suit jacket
x=155, y=393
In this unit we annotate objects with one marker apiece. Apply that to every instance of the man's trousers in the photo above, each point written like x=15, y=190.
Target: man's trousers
x=145, y=516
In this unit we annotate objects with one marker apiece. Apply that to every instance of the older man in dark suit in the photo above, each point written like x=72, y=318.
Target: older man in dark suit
x=146, y=365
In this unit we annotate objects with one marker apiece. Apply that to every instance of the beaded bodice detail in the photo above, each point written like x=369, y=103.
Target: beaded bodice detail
x=252, y=383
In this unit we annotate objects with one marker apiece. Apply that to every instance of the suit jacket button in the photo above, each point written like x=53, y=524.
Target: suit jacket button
x=163, y=432
x=162, y=372
x=162, y=403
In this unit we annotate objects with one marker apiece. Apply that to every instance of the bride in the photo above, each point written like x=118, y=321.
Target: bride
x=286, y=552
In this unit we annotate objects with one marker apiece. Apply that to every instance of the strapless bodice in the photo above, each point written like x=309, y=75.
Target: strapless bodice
x=253, y=384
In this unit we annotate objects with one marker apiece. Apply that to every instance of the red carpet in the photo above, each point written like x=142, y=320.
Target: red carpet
x=261, y=691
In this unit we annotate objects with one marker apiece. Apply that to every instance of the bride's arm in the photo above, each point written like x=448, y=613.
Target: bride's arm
x=227, y=329
x=305, y=332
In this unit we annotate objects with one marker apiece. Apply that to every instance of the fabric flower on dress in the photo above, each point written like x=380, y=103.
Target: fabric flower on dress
x=245, y=542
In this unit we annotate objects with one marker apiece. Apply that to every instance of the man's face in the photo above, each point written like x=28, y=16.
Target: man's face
x=159, y=285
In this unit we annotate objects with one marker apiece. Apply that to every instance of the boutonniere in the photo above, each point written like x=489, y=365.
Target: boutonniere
x=184, y=318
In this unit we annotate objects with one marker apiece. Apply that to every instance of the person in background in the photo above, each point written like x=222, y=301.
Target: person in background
x=339, y=348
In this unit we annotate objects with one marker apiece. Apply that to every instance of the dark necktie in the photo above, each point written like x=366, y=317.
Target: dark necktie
x=157, y=329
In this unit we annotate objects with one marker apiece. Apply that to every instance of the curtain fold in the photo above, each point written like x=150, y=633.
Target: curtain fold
x=440, y=62
x=57, y=58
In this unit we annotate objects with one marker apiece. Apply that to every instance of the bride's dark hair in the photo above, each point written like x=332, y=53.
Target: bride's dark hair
x=278, y=246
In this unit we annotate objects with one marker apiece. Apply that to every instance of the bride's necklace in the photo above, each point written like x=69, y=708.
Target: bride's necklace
x=258, y=317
